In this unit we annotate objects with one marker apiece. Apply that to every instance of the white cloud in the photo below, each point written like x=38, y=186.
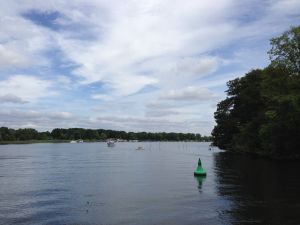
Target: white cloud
x=135, y=32
x=160, y=113
x=189, y=94
x=197, y=66
x=102, y=97
x=10, y=98
x=11, y=58
x=26, y=88
x=22, y=42
x=64, y=80
x=60, y=115
x=289, y=7
x=126, y=84
x=158, y=105
x=41, y=120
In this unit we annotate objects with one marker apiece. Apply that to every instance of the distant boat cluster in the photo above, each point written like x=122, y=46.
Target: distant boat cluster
x=76, y=141
x=110, y=142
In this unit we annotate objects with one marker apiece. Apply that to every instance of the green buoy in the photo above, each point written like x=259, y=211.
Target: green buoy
x=199, y=171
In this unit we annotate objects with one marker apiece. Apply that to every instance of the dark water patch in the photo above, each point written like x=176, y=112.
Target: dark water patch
x=13, y=157
x=261, y=191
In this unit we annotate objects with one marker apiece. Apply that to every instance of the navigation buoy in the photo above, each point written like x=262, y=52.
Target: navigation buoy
x=199, y=171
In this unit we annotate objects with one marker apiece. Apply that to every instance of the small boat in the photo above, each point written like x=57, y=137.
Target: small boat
x=76, y=141
x=110, y=144
x=140, y=148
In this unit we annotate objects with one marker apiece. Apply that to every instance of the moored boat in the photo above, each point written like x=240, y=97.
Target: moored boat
x=110, y=143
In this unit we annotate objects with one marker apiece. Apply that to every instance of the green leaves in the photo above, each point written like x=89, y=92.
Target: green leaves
x=285, y=51
x=261, y=114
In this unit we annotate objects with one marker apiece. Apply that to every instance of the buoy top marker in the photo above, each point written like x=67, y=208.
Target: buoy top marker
x=199, y=162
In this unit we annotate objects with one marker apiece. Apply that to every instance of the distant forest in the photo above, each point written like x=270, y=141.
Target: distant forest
x=261, y=113
x=11, y=135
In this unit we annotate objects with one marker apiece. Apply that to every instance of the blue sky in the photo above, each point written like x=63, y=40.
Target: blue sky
x=130, y=65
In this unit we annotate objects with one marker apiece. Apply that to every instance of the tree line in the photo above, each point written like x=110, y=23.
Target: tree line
x=8, y=134
x=261, y=113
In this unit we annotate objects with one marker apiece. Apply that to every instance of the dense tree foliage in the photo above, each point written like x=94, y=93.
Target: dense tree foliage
x=7, y=134
x=285, y=51
x=261, y=113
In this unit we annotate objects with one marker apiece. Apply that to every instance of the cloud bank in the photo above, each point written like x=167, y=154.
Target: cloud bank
x=125, y=58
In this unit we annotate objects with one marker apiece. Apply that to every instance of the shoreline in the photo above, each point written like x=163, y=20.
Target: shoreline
x=40, y=141
x=68, y=141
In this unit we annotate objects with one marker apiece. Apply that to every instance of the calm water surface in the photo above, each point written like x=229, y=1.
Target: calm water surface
x=90, y=183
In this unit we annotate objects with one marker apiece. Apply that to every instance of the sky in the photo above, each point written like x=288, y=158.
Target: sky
x=132, y=65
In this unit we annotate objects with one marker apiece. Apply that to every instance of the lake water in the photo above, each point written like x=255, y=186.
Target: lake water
x=90, y=183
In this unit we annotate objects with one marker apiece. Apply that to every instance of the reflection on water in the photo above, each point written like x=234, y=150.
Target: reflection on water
x=90, y=183
x=200, y=180
x=259, y=191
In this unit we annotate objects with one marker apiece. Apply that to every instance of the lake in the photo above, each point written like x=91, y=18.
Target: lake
x=90, y=183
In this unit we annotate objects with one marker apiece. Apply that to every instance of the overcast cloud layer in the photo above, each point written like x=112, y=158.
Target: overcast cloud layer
x=134, y=65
